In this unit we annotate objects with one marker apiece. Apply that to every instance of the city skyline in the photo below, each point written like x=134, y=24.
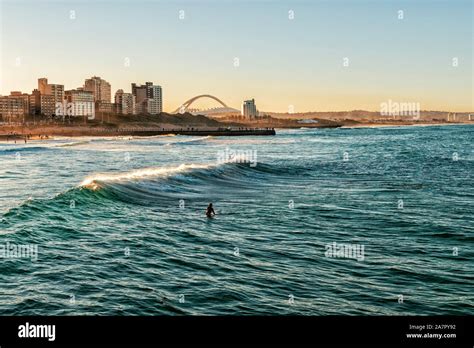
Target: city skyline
x=308, y=56
x=51, y=99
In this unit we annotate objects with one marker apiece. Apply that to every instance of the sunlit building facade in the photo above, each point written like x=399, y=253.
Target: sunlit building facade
x=249, y=109
x=79, y=103
x=124, y=103
x=11, y=108
x=100, y=88
x=45, y=88
x=42, y=104
x=148, y=98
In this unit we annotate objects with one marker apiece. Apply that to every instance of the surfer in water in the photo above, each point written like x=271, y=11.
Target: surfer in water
x=210, y=211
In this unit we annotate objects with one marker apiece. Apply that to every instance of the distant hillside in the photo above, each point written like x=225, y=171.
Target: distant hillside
x=359, y=115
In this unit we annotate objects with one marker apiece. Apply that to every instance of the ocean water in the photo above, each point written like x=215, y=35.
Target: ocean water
x=120, y=229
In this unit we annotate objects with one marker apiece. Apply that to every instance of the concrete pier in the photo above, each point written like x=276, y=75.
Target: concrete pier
x=46, y=132
x=200, y=132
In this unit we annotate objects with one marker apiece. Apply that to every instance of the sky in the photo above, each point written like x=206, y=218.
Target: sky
x=307, y=55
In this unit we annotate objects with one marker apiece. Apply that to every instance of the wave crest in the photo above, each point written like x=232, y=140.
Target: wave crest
x=94, y=181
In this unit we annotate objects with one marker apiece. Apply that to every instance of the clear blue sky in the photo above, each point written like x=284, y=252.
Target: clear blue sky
x=283, y=62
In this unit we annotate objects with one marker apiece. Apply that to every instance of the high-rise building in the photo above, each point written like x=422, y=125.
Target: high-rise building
x=148, y=98
x=140, y=99
x=125, y=103
x=79, y=103
x=141, y=95
x=249, y=109
x=100, y=88
x=45, y=88
x=25, y=97
x=42, y=104
x=42, y=85
x=34, y=103
x=12, y=107
x=157, y=96
x=153, y=106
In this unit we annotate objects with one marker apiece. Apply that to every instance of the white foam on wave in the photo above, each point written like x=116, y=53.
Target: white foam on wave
x=93, y=181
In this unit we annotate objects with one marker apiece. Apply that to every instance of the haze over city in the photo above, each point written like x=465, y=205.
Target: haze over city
x=314, y=55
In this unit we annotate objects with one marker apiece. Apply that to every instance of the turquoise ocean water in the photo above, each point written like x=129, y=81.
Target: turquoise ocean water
x=120, y=229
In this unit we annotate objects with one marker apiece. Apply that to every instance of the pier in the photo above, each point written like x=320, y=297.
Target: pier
x=199, y=132
x=46, y=132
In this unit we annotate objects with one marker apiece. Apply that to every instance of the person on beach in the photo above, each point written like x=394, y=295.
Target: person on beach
x=210, y=211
